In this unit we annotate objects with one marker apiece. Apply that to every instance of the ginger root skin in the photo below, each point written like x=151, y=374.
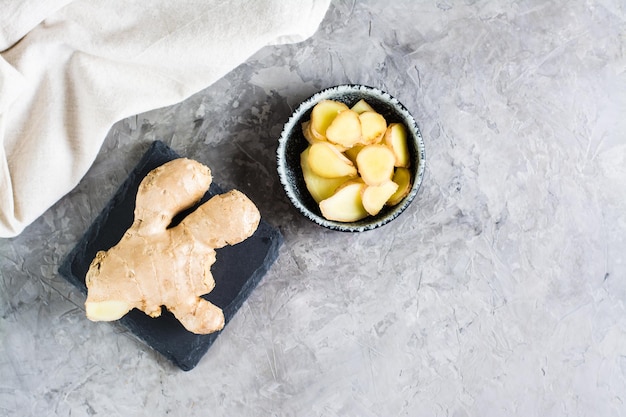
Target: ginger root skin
x=155, y=265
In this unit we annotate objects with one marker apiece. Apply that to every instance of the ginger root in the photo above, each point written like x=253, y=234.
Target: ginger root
x=155, y=265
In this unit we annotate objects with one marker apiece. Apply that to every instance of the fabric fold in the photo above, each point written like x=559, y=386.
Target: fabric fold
x=89, y=64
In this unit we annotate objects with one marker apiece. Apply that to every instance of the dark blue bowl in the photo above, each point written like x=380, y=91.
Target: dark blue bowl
x=292, y=142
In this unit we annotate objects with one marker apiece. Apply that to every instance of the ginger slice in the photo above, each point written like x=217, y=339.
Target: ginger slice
x=402, y=177
x=327, y=161
x=345, y=129
x=353, y=152
x=375, y=164
x=375, y=196
x=395, y=139
x=306, y=132
x=373, y=126
x=319, y=187
x=155, y=265
x=322, y=116
x=345, y=205
x=362, y=106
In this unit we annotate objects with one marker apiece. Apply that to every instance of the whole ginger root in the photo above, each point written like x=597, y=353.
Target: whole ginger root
x=154, y=265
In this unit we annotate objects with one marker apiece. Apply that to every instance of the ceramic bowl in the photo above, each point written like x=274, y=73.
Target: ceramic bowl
x=292, y=142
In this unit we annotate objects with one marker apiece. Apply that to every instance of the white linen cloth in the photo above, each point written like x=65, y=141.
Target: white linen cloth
x=70, y=69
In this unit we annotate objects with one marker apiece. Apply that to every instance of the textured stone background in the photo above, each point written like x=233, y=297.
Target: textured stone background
x=499, y=292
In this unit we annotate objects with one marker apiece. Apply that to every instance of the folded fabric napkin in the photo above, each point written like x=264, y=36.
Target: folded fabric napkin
x=70, y=69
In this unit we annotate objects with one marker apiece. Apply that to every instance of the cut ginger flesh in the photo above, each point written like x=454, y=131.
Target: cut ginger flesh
x=154, y=265
x=376, y=164
x=345, y=129
x=402, y=177
x=356, y=163
x=374, y=197
x=322, y=116
x=327, y=161
x=320, y=188
x=346, y=204
x=395, y=139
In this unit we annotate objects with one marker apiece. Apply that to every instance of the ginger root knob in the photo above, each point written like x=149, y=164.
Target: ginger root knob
x=154, y=265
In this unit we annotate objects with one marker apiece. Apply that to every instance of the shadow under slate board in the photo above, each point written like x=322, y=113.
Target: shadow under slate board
x=237, y=270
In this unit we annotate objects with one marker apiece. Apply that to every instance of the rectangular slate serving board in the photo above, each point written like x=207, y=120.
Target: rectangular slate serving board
x=237, y=270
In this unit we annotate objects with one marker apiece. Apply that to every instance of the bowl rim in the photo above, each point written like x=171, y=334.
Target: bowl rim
x=370, y=222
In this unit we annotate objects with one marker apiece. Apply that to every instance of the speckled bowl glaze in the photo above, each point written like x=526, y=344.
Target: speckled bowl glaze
x=292, y=142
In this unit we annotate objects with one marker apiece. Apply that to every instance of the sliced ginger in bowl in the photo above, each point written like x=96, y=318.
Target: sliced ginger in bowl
x=356, y=163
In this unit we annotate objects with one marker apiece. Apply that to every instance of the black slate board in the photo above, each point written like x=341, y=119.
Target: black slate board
x=237, y=270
